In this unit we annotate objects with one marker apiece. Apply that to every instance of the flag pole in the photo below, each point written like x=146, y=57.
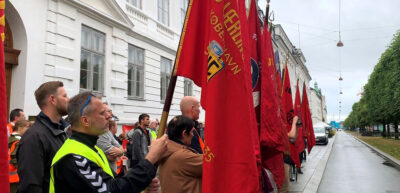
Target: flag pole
x=266, y=13
x=286, y=62
x=174, y=77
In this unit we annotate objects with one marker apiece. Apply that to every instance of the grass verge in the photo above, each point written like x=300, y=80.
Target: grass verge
x=389, y=146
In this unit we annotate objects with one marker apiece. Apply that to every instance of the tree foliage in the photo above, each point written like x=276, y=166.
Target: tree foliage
x=380, y=102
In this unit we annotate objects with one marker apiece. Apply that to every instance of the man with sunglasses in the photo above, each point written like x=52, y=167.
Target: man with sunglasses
x=80, y=166
x=41, y=142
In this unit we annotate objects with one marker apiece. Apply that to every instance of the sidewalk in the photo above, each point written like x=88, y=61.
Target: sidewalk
x=313, y=169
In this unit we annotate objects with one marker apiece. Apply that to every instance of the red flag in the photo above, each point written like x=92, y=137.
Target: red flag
x=271, y=136
x=211, y=53
x=255, y=42
x=270, y=128
x=300, y=133
x=4, y=181
x=125, y=130
x=282, y=113
x=308, y=125
x=287, y=106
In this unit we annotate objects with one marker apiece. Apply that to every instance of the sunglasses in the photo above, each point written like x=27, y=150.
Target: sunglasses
x=86, y=103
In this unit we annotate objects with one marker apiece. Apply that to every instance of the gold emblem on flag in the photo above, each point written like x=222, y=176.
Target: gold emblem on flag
x=215, y=63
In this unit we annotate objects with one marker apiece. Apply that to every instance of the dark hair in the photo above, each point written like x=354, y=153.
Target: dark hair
x=45, y=90
x=142, y=116
x=20, y=123
x=15, y=113
x=299, y=122
x=75, y=105
x=177, y=125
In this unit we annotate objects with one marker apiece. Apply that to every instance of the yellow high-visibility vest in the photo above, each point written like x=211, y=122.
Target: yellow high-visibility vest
x=72, y=146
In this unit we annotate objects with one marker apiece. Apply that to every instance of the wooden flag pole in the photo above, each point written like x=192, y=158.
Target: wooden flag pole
x=172, y=82
x=266, y=13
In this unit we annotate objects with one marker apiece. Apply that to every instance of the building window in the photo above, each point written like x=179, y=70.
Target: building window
x=92, y=59
x=135, y=72
x=184, y=4
x=187, y=87
x=163, y=12
x=136, y=3
x=165, y=74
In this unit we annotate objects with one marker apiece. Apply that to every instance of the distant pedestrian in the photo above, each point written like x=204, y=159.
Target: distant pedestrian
x=40, y=143
x=190, y=107
x=140, y=140
x=153, y=128
x=18, y=131
x=15, y=115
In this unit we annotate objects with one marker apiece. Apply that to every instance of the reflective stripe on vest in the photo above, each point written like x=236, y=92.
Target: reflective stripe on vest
x=72, y=146
x=13, y=175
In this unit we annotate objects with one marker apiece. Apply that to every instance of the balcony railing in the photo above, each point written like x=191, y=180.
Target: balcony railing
x=136, y=14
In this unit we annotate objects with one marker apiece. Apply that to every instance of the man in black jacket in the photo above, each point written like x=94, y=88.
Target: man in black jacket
x=40, y=143
x=190, y=107
x=140, y=140
x=80, y=166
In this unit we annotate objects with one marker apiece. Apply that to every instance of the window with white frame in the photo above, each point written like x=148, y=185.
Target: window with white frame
x=135, y=72
x=165, y=74
x=136, y=3
x=184, y=4
x=187, y=87
x=92, y=59
x=163, y=12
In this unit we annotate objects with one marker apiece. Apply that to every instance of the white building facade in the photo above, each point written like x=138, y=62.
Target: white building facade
x=287, y=54
x=295, y=60
x=317, y=105
x=121, y=50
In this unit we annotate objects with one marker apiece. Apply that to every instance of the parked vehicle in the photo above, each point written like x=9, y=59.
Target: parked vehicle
x=321, y=137
x=321, y=131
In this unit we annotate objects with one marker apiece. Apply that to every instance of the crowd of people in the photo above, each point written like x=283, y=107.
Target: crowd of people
x=72, y=147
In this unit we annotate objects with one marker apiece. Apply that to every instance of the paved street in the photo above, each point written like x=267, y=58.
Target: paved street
x=353, y=167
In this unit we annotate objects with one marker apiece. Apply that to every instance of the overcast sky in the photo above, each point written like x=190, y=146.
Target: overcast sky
x=367, y=28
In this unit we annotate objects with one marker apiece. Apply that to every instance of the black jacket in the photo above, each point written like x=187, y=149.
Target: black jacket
x=75, y=173
x=36, y=151
x=195, y=144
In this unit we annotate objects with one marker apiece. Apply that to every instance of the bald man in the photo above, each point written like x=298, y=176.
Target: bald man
x=190, y=107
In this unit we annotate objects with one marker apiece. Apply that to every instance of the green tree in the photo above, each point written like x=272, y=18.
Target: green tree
x=380, y=103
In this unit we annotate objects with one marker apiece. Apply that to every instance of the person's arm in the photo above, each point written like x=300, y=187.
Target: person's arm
x=293, y=132
x=78, y=174
x=116, y=151
x=31, y=166
x=75, y=173
x=193, y=164
x=13, y=155
x=104, y=143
